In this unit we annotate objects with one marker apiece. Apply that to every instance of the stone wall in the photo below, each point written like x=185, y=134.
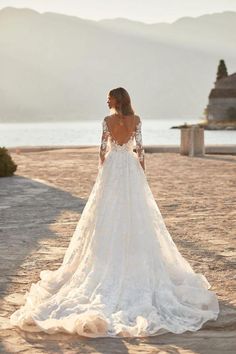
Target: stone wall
x=217, y=108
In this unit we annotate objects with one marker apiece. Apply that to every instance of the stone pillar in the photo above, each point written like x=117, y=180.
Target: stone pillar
x=184, y=141
x=192, y=141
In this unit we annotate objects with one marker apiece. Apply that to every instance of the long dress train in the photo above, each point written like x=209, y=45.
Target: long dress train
x=122, y=274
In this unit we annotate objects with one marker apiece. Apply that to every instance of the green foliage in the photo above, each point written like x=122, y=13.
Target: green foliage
x=221, y=70
x=7, y=165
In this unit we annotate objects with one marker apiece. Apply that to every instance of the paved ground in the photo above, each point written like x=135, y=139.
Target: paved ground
x=41, y=205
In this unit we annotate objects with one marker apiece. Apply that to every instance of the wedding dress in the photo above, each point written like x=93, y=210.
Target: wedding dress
x=122, y=274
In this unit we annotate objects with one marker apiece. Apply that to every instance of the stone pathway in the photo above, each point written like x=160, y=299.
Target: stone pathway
x=41, y=205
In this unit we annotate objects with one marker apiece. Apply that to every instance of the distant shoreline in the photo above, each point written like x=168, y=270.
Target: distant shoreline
x=221, y=125
x=229, y=149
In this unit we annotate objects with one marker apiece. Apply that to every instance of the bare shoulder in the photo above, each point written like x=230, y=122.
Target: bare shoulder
x=112, y=117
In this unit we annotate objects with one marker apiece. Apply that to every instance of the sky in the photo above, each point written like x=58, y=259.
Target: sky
x=148, y=11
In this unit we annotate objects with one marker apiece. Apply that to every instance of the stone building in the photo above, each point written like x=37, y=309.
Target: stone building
x=222, y=98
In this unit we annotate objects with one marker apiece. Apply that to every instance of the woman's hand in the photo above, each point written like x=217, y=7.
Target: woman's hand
x=142, y=164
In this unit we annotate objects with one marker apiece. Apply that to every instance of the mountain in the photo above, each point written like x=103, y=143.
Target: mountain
x=207, y=31
x=59, y=67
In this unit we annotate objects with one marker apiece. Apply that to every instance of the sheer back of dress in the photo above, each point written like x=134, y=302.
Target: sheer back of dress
x=121, y=133
x=122, y=136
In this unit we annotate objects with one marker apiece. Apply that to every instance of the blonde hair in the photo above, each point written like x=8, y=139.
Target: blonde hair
x=123, y=100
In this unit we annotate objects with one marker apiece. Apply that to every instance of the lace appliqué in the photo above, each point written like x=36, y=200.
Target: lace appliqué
x=139, y=143
x=104, y=140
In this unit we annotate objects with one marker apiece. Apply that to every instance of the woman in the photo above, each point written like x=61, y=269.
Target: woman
x=122, y=274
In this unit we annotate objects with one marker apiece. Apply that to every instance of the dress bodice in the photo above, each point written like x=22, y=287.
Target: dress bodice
x=108, y=141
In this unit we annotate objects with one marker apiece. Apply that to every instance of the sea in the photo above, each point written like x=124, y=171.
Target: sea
x=154, y=132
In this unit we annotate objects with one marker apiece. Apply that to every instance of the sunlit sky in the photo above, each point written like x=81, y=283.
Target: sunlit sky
x=149, y=11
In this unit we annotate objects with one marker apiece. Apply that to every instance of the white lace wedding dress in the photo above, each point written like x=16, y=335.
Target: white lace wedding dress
x=122, y=274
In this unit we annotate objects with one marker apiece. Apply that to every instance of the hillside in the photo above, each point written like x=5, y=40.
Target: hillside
x=60, y=67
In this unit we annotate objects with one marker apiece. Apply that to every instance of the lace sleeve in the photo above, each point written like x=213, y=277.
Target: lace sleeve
x=139, y=143
x=103, y=146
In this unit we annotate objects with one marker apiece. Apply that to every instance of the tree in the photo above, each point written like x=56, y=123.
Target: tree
x=221, y=70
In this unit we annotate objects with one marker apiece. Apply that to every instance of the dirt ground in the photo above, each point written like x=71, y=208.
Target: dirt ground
x=41, y=205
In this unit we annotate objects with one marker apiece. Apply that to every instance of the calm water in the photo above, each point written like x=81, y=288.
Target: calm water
x=89, y=133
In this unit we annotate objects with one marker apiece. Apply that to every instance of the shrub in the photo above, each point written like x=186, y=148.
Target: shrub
x=7, y=165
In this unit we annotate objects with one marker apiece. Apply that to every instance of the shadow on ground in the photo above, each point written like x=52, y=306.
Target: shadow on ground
x=28, y=209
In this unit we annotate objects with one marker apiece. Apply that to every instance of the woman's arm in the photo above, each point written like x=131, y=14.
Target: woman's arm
x=104, y=139
x=139, y=143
